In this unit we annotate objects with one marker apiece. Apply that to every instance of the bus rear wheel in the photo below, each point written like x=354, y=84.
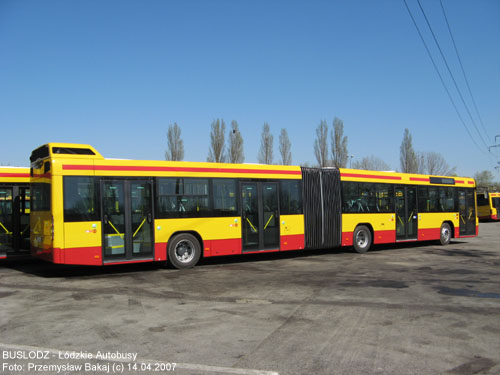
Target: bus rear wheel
x=445, y=234
x=184, y=251
x=362, y=239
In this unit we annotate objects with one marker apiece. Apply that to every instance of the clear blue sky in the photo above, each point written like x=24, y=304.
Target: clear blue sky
x=115, y=74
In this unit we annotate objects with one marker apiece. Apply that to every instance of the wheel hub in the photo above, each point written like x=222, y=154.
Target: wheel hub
x=361, y=239
x=184, y=251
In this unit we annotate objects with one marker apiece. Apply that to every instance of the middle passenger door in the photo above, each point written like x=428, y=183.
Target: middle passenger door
x=406, y=213
x=260, y=216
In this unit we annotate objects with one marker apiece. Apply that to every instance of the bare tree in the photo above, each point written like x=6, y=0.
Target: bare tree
x=421, y=159
x=484, y=180
x=339, y=144
x=175, y=145
x=321, y=144
x=407, y=156
x=217, y=142
x=372, y=163
x=285, y=148
x=266, y=146
x=236, y=154
x=437, y=165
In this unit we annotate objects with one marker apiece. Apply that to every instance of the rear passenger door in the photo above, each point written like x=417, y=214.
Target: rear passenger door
x=260, y=216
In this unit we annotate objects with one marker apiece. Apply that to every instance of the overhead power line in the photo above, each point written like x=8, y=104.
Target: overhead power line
x=463, y=70
x=451, y=74
x=441, y=78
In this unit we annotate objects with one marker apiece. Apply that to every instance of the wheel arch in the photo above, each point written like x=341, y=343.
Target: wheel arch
x=193, y=233
x=368, y=225
x=452, y=227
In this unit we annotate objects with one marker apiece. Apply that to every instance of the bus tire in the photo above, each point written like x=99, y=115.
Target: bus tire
x=445, y=234
x=183, y=251
x=362, y=239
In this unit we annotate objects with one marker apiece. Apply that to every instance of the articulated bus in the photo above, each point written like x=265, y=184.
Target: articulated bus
x=488, y=205
x=89, y=210
x=14, y=212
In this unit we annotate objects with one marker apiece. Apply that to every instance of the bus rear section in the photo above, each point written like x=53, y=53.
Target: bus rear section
x=14, y=212
x=46, y=218
x=387, y=207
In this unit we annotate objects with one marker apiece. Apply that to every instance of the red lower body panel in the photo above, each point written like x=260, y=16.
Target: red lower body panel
x=222, y=247
x=292, y=242
x=233, y=246
x=347, y=238
x=384, y=236
x=430, y=234
x=87, y=256
x=160, y=251
x=84, y=256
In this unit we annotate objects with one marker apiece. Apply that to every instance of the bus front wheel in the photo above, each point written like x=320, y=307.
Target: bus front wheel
x=184, y=251
x=445, y=234
x=362, y=239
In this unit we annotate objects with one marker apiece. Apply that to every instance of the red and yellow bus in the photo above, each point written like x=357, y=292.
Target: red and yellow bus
x=488, y=205
x=90, y=210
x=14, y=212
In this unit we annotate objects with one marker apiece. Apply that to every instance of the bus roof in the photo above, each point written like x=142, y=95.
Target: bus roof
x=117, y=167
x=404, y=178
x=90, y=162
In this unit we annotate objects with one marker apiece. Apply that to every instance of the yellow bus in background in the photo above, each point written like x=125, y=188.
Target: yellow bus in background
x=94, y=211
x=488, y=205
x=14, y=211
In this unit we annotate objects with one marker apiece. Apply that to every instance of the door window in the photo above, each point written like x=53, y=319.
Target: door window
x=114, y=218
x=270, y=215
x=140, y=194
x=250, y=216
x=406, y=213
